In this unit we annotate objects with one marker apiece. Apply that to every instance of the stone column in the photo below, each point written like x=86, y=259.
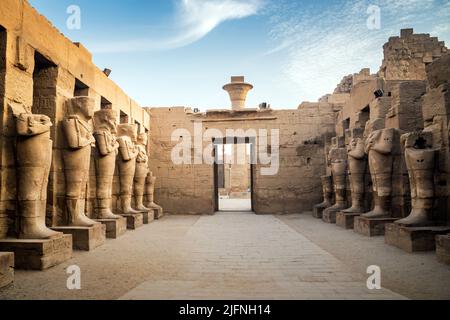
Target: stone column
x=76, y=158
x=105, y=122
x=126, y=160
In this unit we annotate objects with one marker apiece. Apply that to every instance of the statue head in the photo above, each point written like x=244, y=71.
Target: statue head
x=127, y=130
x=142, y=139
x=106, y=119
x=82, y=106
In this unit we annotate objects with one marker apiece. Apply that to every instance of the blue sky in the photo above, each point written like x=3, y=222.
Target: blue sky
x=181, y=52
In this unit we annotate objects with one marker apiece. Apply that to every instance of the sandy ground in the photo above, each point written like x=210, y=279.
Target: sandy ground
x=416, y=276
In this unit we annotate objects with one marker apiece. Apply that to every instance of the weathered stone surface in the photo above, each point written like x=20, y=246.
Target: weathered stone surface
x=38, y=254
x=443, y=248
x=438, y=72
x=327, y=190
x=6, y=268
x=134, y=221
x=86, y=238
x=413, y=239
x=148, y=217
x=371, y=227
x=114, y=227
x=346, y=220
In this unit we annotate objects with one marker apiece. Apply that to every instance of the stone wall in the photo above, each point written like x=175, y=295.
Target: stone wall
x=189, y=189
x=41, y=69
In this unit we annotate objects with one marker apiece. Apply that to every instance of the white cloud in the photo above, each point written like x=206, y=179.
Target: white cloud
x=319, y=47
x=194, y=19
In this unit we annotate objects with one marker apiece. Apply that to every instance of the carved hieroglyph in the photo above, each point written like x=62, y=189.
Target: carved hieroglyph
x=327, y=189
x=150, y=195
x=76, y=158
x=126, y=161
x=33, y=160
x=379, y=147
x=141, y=173
x=357, y=164
x=421, y=163
x=105, y=122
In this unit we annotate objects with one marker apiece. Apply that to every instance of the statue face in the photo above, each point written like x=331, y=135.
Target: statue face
x=83, y=105
x=111, y=121
x=142, y=139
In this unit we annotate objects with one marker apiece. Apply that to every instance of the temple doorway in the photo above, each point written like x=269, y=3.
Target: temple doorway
x=233, y=175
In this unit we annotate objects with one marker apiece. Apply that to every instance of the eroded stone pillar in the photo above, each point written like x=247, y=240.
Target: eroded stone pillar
x=105, y=122
x=76, y=158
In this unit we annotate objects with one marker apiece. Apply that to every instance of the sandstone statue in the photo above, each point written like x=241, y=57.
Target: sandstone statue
x=105, y=122
x=338, y=160
x=33, y=159
x=327, y=190
x=76, y=158
x=150, y=195
x=141, y=173
x=421, y=163
x=357, y=164
x=379, y=147
x=126, y=161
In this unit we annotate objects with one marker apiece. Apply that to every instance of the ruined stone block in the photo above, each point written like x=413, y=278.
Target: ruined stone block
x=85, y=238
x=346, y=220
x=371, y=227
x=114, y=227
x=413, y=239
x=438, y=72
x=134, y=221
x=148, y=217
x=38, y=254
x=443, y=248
x=6, y=268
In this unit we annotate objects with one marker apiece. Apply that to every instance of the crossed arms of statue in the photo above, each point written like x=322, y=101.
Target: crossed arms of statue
x=77, y=133
x=127, y=149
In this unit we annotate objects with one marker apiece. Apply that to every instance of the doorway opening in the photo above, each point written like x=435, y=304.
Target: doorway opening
x=233, y=175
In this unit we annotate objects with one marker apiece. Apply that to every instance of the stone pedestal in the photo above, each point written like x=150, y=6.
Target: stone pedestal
x=114, y=227
x=6, y=268
x=158, y=213
x=443, y=248
x=318, y=212
x=38, y=254
x=329, y=216
x=85, y=238
x=134, y=221
x=148, y=217
x=346, y=220
x=371, y=227
x=413, y=239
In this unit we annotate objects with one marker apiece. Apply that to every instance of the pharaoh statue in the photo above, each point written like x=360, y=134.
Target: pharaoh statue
x=76, y=158
x=338, y=160
x=126, y=161
x=421, y=160
x=380, y=147
x=327, y=189
x=105, y=122
x=150, y=194
x=357, y=164
x=141, y=173
x=33, y=160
